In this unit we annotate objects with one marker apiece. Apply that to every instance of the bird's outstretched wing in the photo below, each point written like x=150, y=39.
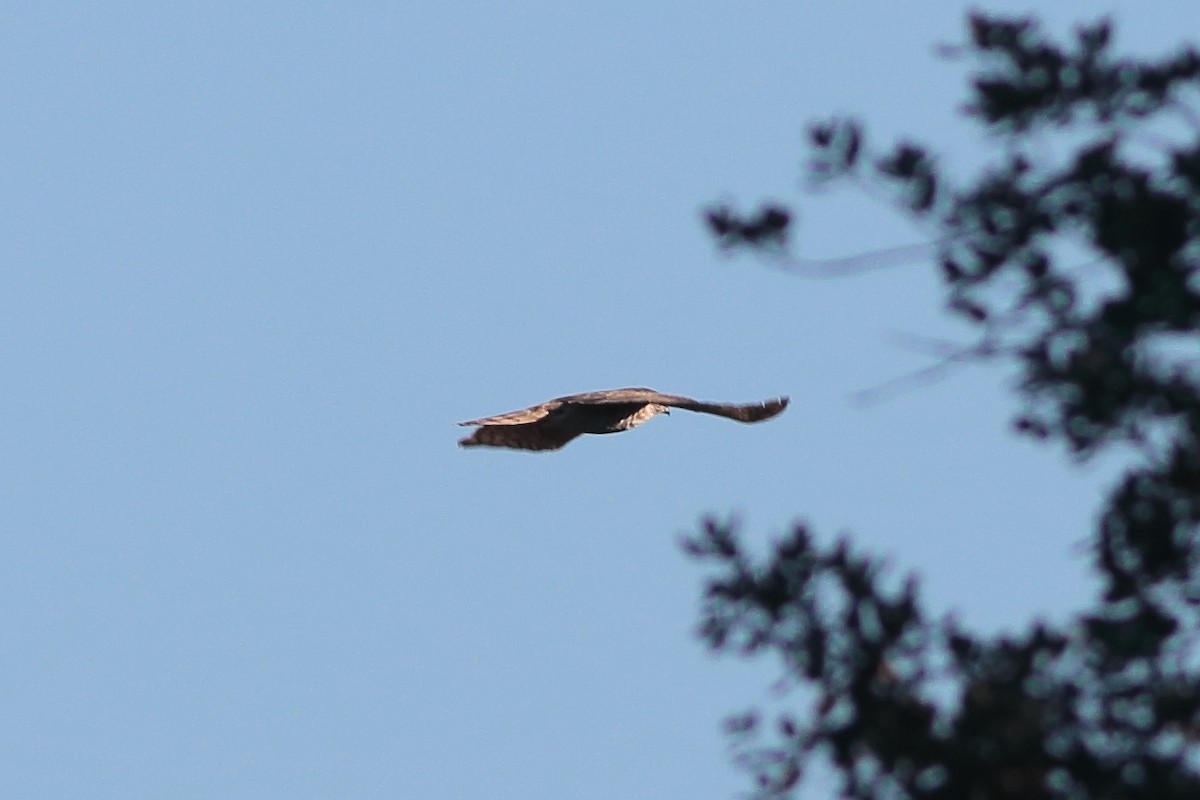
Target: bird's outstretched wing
x=747, y=412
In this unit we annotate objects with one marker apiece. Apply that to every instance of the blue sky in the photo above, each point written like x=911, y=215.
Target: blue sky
x=260, y=257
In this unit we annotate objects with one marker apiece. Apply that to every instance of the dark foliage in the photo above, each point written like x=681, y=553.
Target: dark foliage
x=903, y=704
x=767, y=228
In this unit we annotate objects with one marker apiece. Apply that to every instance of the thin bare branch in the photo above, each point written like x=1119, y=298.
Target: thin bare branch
x=950, y=357
x=848, y=265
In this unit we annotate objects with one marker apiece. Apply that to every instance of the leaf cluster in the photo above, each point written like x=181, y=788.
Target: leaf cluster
x=903, y=704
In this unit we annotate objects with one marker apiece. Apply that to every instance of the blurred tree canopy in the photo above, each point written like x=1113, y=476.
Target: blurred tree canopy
x=1078, y=261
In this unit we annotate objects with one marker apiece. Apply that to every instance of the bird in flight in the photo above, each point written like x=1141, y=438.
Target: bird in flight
x=552, y=424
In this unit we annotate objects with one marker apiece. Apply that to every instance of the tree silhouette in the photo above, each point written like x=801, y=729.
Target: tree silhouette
x=902, y=703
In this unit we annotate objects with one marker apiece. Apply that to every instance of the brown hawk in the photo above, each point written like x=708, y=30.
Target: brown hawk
x=554, y=423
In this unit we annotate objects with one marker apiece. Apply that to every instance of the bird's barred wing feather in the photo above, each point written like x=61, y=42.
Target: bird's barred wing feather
x=522, y=417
